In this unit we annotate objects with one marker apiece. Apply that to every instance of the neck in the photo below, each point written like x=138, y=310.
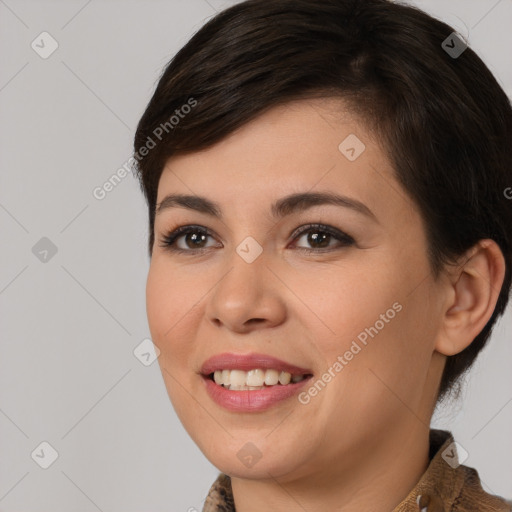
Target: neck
x=378, y=480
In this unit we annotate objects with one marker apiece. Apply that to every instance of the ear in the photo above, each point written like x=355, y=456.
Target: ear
x=473, y=290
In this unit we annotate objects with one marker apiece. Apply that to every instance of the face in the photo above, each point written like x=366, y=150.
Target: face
x=351, y=298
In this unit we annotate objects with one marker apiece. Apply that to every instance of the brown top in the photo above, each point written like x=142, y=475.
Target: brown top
x=445, y=486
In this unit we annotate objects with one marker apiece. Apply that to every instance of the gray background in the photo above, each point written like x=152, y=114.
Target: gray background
x=68, y=374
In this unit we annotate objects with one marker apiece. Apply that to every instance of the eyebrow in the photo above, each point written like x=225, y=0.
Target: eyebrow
x=285, y=206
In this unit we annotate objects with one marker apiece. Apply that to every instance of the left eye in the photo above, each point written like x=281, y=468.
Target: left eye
x=318, y=235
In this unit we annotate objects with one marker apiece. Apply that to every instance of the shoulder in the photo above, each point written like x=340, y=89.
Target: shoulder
x=220, y=496
x=449, y=486
x=473, y=497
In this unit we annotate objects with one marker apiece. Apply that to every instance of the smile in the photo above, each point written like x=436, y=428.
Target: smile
x=251, y=382
x=239, y=380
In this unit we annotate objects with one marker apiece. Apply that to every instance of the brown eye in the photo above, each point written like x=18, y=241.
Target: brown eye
x=194, y=239
x=319, y=237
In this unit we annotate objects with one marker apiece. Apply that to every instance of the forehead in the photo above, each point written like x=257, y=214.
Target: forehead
x=308, y=145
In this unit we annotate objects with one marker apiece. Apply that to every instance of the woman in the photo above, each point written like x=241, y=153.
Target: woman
x=330, y=248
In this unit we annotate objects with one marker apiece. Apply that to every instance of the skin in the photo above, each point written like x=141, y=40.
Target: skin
x=362, y=442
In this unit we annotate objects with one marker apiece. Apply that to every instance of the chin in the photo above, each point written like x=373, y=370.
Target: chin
x=248, y=460
x=260, y=471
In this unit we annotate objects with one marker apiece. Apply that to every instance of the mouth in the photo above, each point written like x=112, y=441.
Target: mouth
x=251, y=383
x=255, y=379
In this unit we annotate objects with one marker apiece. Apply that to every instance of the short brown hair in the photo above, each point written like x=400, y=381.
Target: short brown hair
x=444, y=120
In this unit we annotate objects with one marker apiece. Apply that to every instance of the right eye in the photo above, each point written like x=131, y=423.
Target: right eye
x=193, y=235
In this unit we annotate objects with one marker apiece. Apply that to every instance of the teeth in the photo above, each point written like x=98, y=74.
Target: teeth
x=237, y=378
x=284, y=378
x=271, y=377
x=253, y=379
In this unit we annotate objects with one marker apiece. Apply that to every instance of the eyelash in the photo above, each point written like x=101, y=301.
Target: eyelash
x=168, y=241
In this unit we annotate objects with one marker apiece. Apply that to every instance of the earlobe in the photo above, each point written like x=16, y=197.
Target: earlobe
x=475, y=287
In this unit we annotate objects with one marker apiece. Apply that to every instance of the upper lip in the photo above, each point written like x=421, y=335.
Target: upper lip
x=246, y=362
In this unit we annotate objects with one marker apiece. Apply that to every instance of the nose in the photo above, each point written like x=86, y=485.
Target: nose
x=248, y=296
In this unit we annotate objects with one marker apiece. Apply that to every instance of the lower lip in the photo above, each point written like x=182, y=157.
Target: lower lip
x=252, y=400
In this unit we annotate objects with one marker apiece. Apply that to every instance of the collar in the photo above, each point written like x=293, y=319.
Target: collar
x=444, y=487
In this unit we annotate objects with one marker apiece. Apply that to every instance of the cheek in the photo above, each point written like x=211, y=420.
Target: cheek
x=158, y=304
x=170, y=307
x=375, y=324
x=171, y=316
x=354, y=298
